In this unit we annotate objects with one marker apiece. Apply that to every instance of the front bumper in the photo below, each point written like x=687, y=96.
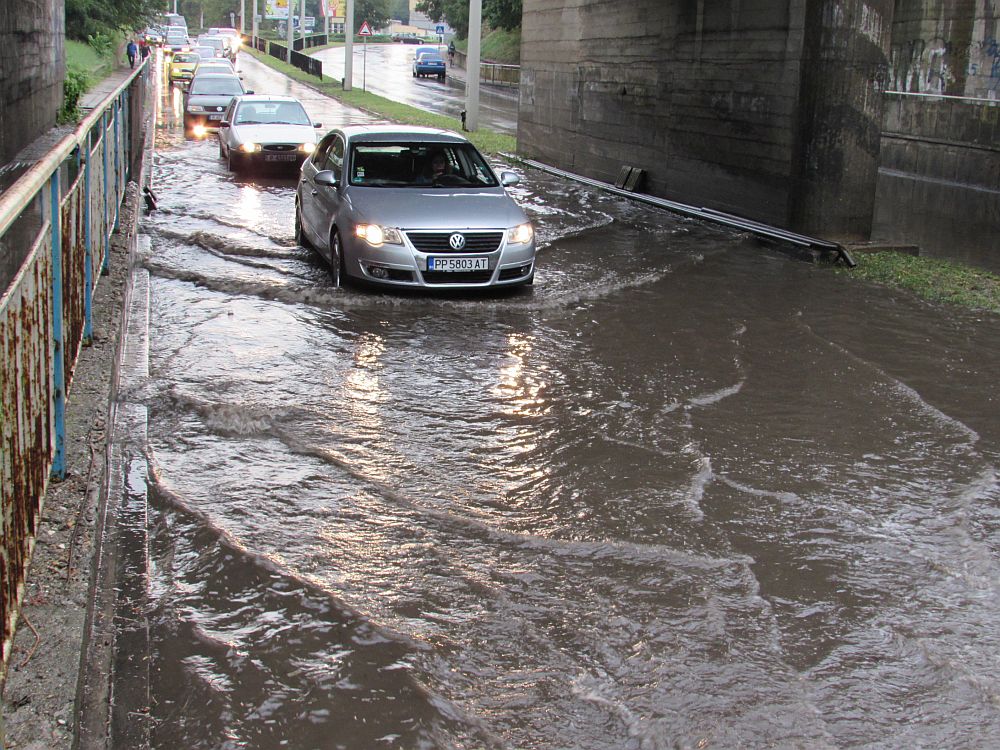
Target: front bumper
x=406, y=266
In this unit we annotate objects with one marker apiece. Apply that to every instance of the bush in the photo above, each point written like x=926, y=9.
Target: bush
x=76, y=84
x=103, y=44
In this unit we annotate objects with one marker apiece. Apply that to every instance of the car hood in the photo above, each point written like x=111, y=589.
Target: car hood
x=275, y=133
x=211, y=100
x=435, y=208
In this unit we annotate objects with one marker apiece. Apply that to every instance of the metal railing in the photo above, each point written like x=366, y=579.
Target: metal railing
x=56, y=223
x=303, y=62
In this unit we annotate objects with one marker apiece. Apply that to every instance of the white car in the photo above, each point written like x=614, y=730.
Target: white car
x=263, y=131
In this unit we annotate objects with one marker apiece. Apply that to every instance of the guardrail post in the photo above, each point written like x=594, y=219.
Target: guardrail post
x=58, y=470
x=118, y=165
x=88, y=255
x=106, y=239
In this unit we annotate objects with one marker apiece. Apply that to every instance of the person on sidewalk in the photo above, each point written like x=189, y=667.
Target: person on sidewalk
x=130, y=51
x=143, y=49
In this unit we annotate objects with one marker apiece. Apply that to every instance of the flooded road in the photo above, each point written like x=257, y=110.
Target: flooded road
x=683, y=492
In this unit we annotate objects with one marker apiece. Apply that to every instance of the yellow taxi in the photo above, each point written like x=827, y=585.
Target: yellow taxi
x=182, y=66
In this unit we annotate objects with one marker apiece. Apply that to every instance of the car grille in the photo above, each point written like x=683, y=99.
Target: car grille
x=279, y=147
x=450, y=277
x=439, y=242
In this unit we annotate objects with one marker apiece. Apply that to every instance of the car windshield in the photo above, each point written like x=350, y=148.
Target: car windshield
x=186, y=57
x=271, y=113
x=222, y=86
x=419, y=164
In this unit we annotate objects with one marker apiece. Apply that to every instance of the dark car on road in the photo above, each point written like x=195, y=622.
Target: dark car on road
x=206, y=101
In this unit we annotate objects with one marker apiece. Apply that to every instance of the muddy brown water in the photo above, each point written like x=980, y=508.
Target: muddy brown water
x=686, y=491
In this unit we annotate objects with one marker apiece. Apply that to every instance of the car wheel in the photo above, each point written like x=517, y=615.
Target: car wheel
x=235, y=164
x=336, y=259
x=300, y=235
x=441, y=77
x=222, y=154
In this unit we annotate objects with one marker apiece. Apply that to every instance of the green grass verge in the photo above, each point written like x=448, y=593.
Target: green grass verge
x=485, y=140
x=85, y=66
x=932, y=279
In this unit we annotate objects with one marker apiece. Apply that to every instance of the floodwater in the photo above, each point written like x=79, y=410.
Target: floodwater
x=684, y=492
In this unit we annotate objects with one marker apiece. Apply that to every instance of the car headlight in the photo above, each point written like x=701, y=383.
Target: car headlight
x=520, y=234
x=195, y=108
x=250, y=148
x=199, y=131
x=378, y=235
x=307, y=148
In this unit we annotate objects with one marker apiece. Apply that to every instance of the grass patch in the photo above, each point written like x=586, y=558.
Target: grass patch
x=932, y=279
x=85, y=66
x=498, y=46
x=485, y=140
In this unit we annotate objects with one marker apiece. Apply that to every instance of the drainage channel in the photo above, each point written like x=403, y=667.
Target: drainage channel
x=708, y=214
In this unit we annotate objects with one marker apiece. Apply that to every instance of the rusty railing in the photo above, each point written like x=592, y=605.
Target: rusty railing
x=56, y=222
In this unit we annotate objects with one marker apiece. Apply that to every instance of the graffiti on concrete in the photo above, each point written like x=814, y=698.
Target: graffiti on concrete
x=938, y=66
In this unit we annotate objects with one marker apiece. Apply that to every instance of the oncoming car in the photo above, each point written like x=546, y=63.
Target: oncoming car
x=182, y=66
x=266, y=131
x=412, y=207
x=206, y=101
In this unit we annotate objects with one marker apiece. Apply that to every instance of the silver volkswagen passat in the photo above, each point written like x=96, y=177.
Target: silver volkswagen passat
x=412, y=207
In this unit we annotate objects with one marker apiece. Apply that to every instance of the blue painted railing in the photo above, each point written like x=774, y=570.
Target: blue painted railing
x=56, y=224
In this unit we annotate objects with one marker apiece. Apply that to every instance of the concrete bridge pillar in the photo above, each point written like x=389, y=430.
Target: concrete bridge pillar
x=845, y=68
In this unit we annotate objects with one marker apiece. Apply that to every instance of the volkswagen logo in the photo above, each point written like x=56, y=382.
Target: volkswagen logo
x=457, y=241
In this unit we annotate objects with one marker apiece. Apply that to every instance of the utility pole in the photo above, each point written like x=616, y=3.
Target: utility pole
x=472, y=65
x=243, y=12
x=302, y=21
x=289, y=37
x=253, y=24
x=349, y=45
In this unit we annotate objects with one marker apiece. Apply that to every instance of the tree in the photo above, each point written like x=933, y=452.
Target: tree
x=376, y=12
x=499, y=14
x=502, y=14
x=400, y=10
x=87, y=18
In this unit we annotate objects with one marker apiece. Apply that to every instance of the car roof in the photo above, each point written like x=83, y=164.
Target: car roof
x=268, y=98
x=361, y=133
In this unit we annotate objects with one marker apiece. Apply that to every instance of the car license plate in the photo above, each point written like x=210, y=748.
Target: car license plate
x=458, y=264
x=215, y=117
x=279, y=157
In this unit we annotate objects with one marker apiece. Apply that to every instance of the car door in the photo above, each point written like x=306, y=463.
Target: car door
x=226, y=134
x=312, y=205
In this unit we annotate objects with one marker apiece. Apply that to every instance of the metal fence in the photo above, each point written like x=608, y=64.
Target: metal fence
x=305, y=42
x=303, y=62
x=56, y=222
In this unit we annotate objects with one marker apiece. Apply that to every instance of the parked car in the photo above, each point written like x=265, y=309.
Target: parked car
x=412, y=207
x=182, y=65
x=260, y=131
x=429, y=64
x=407, y=37
x=206, y=101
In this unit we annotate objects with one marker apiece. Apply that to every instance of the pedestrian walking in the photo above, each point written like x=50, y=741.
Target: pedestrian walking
x=143, y=49
x=130, y=51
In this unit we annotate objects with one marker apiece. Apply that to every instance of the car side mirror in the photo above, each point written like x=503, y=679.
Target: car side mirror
x=507, y=179
x=317, y=125
x=326, y=177
x=224, y=124
x=249, y=91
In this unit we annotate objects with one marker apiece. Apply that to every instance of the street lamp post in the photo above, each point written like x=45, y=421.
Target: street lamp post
x=349, y=45
x=289, y=37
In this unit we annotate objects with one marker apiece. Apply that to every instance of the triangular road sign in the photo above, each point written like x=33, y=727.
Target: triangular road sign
x=365, y=29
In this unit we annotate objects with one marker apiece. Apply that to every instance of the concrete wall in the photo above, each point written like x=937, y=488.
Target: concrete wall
x=770, y=110
x=32, y=68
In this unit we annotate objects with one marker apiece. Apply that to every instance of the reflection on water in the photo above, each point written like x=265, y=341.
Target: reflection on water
x=684, y=492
